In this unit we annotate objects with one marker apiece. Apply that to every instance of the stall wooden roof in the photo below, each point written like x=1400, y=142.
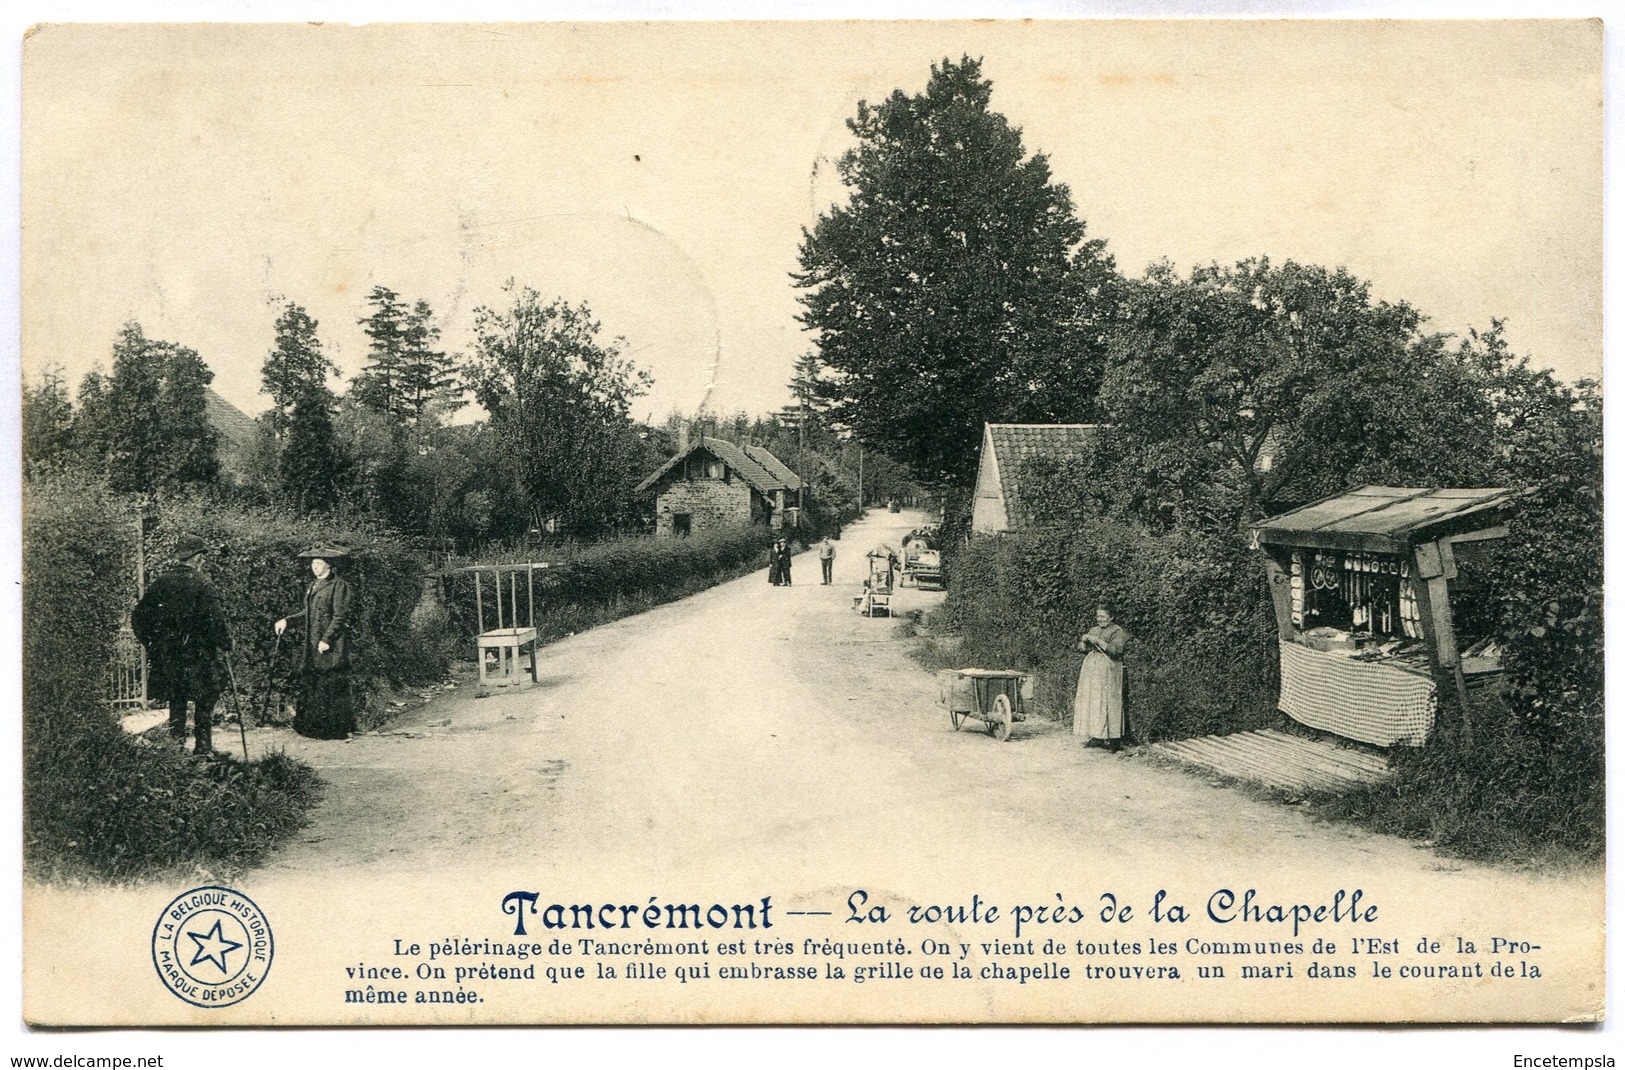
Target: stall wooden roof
x=1386, y=519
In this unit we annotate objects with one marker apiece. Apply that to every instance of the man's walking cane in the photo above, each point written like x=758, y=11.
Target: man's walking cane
x=236, y=700
x=271, y=688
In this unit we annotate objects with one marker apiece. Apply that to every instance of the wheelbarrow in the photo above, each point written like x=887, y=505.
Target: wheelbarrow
x=996, y=697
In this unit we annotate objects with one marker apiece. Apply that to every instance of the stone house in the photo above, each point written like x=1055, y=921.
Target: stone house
x=715, y=483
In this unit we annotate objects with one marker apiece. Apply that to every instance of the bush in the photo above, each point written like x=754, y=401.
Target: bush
x=1201, y=657
x=602, y=581
x=1502, y=793
x=261, y=579
x=95, y=800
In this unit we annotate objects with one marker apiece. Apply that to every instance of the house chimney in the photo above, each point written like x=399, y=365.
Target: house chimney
x=682, y=438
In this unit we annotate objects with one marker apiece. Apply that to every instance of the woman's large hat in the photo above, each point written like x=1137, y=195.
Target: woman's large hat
x=189, y=546
x=327, y=551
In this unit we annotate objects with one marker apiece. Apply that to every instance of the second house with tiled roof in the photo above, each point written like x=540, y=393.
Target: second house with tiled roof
x=999, y=502
x=714, y=483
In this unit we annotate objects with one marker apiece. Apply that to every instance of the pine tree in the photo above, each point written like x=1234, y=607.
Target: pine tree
x=310, y=461
x=295, y=365
x=381, y=384
x=295, y=373
x=429, y=381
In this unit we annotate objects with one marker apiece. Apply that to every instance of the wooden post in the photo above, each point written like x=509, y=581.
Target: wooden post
x=1280, y=581
x=479, y=604
x=530, y=598
x=513, y=598
x=1434, y=565
x=496, y=581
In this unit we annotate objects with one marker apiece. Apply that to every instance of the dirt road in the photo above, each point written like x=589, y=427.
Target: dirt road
x=758, y=719
x=753, y=742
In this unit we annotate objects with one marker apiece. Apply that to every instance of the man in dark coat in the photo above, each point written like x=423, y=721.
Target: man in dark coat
x=180, y=623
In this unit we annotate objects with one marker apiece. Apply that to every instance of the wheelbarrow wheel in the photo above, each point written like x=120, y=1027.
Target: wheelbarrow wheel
x=955, y=718
x=1000, y=717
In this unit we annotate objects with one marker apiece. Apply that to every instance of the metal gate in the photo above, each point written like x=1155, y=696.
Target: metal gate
x=126, y=682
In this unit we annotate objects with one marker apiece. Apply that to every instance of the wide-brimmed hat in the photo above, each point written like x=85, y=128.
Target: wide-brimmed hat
x=189, y=546
x=326, y=551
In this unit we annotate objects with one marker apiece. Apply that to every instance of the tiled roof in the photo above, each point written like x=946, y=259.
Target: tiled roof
x=226, y=418
x=775, y=467
x=759, y=467
x=1015, y=444
x=238, y=432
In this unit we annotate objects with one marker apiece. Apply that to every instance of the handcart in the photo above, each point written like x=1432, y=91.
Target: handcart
x=996, y=697
x=922, y=560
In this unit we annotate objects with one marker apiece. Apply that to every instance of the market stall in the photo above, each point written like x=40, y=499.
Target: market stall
x=1361, y=584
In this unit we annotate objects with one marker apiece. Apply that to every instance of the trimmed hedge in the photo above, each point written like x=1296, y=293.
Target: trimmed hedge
x=603, y=581
x=1201, y=657
x=261, y=579
x=96, y=801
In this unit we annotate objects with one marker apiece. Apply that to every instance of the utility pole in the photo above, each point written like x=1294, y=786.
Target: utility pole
x=860, y=479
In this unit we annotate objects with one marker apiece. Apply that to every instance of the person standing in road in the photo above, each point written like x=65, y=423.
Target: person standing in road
x=781, y=550
x=325, y=709
x=775, y=565
x=1097, y=709
x=180, y=622
x=826, y=559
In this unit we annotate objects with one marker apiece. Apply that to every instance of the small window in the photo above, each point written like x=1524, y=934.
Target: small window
x=681, y=524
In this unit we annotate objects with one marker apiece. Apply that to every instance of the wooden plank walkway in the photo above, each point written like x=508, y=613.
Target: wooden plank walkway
x=1277, y=760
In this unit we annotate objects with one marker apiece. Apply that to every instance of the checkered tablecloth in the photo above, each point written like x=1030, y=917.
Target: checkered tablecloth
x=1367, y=701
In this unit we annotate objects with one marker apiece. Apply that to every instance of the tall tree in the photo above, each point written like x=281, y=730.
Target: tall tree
x=1244, y=385
x=134, y=433
x=295, y=366
x=92, y=429
x=309, y=464
x=381, y=384
x=47, y=420
x=189, y=452
x=429, y=382
x=956, y=285
x=560, y=398
x=147, y=425
x=309, y=461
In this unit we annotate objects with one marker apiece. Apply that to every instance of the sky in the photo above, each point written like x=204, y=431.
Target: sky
x=196, y=178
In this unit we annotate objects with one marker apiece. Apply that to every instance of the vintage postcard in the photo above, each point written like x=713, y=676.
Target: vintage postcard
x=812, y=523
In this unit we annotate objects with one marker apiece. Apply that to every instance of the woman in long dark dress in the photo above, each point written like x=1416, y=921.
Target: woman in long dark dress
x=775, y=564
x=325, y=709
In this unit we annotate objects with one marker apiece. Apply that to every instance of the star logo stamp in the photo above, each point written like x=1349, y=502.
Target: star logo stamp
x=212, y=946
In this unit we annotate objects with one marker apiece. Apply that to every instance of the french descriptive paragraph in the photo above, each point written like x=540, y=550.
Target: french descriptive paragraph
x=1235, y=938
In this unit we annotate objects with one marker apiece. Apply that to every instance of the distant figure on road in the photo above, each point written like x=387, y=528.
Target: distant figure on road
x=1097, y=710
x=180, y=623
x=325, y=709
x=781, y=550
x=826, y=558
x=775, y=565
